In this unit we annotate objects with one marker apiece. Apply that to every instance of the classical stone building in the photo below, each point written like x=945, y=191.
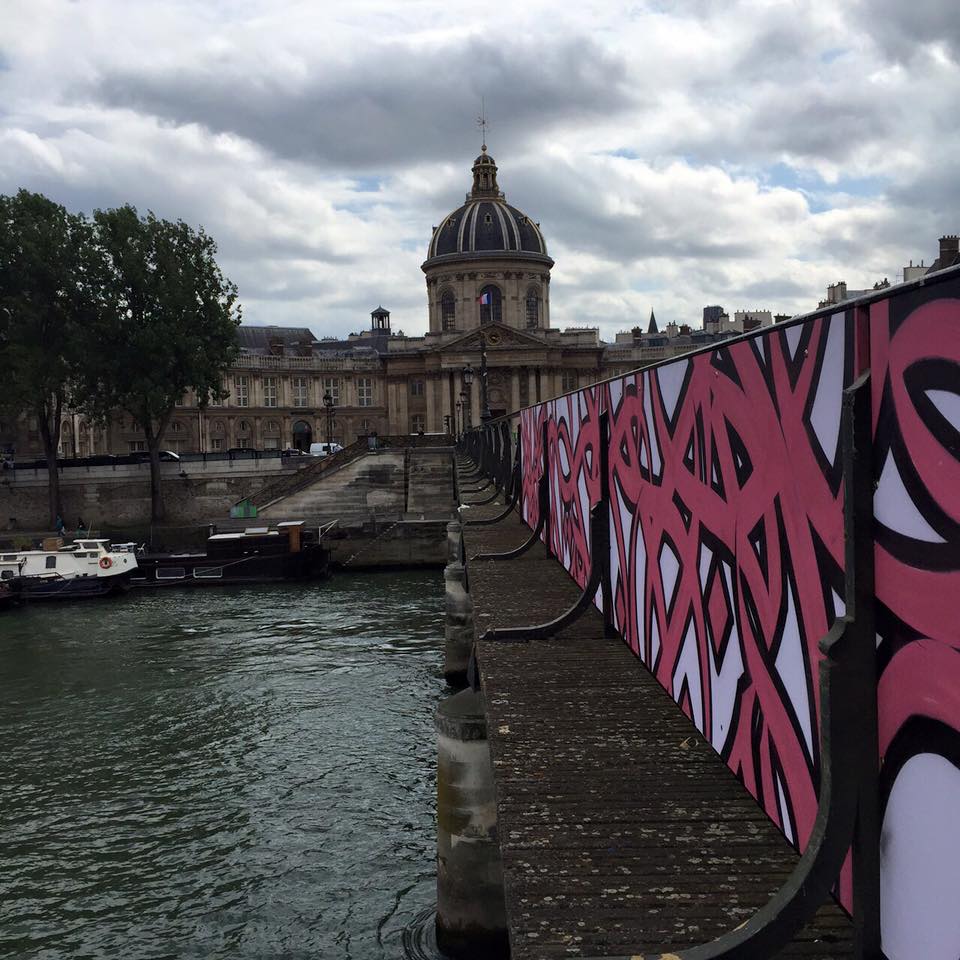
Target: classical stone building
x=487, y=275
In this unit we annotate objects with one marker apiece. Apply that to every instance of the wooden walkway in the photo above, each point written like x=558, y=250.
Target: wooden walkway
x=621, y=830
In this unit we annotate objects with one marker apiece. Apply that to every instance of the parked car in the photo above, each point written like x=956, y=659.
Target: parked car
x=143, y=456
x=293, y=452
x=324, y=449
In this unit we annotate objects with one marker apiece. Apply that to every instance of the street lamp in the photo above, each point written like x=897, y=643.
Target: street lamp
x=456, y=416
x=328, y=406
x=484, y=402
x=467, y=374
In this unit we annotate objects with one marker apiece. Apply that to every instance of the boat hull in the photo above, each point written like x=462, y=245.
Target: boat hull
x=68, y=588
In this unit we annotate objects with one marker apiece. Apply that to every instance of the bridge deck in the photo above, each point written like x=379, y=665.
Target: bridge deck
x=621, y=829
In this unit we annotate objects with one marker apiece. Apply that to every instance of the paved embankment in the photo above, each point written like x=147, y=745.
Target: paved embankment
x=621, y=830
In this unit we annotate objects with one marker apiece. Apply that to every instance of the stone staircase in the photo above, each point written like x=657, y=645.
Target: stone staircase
x=370, y=486
x=430, y=489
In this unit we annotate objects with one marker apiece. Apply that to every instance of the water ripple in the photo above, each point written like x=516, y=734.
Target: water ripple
x=221, y=773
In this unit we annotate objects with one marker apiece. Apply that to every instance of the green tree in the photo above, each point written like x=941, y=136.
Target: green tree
x=170, y=326
x=50, y=282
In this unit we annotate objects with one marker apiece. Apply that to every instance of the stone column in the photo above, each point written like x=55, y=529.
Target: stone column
x=514, y=390
x=475, y=399
x=471, y=916
x=446, y=410
x=533, y=396
x=430, y=395
x=403, y=406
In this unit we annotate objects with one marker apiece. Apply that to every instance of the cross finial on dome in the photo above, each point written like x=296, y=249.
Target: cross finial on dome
x=483, y=124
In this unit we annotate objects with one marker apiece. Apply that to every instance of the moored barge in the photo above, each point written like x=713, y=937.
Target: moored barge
x=256, y=555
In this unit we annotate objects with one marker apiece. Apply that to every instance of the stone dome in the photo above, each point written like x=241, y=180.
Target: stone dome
x=486, y=225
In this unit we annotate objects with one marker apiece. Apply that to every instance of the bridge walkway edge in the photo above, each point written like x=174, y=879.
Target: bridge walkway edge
x=621, y=829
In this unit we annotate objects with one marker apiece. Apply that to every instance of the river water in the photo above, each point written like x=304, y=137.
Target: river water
x=221, y=773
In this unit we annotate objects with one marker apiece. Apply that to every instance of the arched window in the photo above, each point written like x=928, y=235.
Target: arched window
x=243, y=426
x=273, y=426
x=218, y=426
x=176, y=426
x=533, y=307
x=490, y=304
x=448, y=311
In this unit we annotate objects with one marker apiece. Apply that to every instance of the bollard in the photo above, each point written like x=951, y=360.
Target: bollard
x=454, y=533
x=458, y=626
x=471, y=916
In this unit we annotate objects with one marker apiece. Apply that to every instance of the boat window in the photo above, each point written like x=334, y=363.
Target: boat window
x=171, y=573
x=204, y=573
x=10, y=558
x=6, y=574
x=51, y=563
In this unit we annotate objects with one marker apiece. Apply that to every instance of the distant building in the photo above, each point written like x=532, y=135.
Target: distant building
x=746, y=320
x=949, y=256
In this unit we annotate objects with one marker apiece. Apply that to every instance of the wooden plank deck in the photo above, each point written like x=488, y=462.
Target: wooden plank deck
x=621, y=830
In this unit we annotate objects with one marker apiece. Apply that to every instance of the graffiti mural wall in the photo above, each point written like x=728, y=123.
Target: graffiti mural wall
x=915, y=362
x=726, y=528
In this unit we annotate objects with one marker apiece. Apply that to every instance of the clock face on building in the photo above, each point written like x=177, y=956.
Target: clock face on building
x=494, y=337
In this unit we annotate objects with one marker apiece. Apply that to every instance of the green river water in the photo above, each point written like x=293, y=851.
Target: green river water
x=244, y=772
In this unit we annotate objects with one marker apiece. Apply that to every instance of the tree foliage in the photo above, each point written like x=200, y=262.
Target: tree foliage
x=51, y=276
x=168, y=326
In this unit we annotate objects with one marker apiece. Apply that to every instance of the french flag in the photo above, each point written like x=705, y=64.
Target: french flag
x=484, y=299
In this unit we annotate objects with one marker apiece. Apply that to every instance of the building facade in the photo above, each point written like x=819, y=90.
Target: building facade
x=487, y=274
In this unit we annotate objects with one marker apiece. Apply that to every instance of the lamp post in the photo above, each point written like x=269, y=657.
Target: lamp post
x=484, y=403
x=456, y=417
x=465, y=396
x=328, y=406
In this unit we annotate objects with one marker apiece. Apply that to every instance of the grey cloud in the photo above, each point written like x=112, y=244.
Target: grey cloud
x=900, y=28
x=392, y=104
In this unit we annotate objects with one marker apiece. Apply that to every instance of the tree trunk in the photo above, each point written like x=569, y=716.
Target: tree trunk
x=50, y=435
x=157, y=508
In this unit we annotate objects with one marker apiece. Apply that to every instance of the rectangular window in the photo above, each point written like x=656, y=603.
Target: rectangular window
x=137, y=446
x=418, y=423
x=216, y=443
x=416, y=388
x=301, y=393
x=271, y=443
x=568, y=381
x=207, y=573
x=270, y=391
x=364, y=391
x=241, y=387
x=331, y=385
x=171, y=573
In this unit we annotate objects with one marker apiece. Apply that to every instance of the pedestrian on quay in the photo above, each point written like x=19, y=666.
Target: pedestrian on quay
x=60, y=526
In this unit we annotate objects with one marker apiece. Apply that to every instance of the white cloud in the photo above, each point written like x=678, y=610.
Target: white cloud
x=744, y=153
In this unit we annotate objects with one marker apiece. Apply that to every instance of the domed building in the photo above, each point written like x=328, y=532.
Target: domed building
x=488, y=295
x=487, y=262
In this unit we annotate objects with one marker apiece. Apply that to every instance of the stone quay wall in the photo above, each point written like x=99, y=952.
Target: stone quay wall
x=194, y=492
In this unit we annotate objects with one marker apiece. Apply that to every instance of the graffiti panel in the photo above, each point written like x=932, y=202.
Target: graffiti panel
x=915, y=365
x=727, y=544
x=573, y=435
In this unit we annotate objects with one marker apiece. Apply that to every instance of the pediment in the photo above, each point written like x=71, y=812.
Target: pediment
x=495, y=335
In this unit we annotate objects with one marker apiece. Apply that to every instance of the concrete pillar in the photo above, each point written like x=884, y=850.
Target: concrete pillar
x=471, y=916
x=458, y=627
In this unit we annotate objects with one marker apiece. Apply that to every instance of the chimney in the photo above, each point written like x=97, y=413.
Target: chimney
x=949, y=248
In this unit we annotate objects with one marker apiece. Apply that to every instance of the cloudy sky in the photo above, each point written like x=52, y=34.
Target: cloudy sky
x=675, y=153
